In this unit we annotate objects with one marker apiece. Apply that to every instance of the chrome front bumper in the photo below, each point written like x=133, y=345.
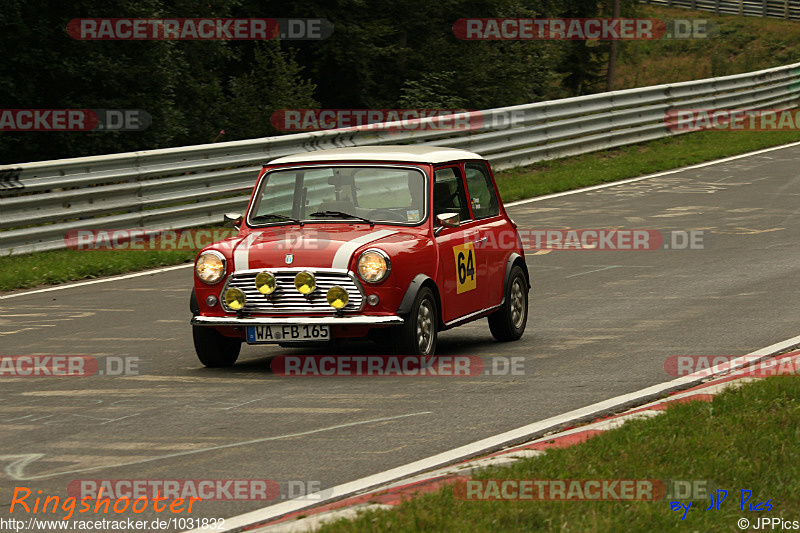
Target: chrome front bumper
x=315, y=320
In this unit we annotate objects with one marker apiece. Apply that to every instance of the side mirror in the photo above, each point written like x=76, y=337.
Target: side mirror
x=446, y=220
x=232, y=220
x=449, y=220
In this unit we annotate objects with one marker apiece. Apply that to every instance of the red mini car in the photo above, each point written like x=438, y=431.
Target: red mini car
x=395, y=243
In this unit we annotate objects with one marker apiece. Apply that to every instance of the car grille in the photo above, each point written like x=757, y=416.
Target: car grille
x=286, y=299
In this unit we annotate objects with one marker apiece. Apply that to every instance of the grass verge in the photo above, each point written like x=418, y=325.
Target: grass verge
x=635, y=160
x=744, y=439
x=736, y=44
x=59, y=266
x=24, y=271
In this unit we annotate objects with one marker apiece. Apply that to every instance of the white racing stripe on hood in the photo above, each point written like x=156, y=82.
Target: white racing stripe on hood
x=241, y=255
x=345, y=251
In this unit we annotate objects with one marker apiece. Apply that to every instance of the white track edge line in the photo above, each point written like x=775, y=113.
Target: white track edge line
x=649, y=176
x=515, y=436
x=510, y=204
x=101, y=280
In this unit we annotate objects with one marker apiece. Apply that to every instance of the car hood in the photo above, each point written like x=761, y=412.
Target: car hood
x=310, y=247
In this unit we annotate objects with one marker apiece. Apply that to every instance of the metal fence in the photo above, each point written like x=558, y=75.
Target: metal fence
x=782, y=9
x=194, y=185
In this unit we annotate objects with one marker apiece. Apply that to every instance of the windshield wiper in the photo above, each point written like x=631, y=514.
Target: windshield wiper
x=275, y=216
x=341, y=214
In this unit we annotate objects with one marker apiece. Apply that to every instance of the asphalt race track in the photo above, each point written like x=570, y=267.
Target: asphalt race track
x=601, y=324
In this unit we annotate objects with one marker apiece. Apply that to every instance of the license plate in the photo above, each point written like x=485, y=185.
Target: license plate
x=287, y=333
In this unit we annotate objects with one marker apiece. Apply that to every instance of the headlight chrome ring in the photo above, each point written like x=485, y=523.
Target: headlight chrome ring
x=374, y=265
x=211, y=266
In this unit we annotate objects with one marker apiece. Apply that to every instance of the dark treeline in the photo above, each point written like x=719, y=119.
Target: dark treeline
x=382, y=54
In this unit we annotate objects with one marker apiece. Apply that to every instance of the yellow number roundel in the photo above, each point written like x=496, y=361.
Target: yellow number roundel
x=465, y=267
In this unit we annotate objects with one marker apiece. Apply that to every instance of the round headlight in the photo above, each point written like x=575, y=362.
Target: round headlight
x=337, y=297
x=305, y=282
x=374, y=266
x=210, y=266
x=234, y=298
x=265, y=282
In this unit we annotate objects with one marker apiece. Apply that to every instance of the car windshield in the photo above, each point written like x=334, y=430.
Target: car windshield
x=371, y=194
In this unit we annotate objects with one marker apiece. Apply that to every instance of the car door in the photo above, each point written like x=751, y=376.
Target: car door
x=496, y=237
x=460, y=279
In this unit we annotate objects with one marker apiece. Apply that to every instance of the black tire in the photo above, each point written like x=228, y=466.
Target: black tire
x=417, y=336
x=508, y=322
x=215, y=349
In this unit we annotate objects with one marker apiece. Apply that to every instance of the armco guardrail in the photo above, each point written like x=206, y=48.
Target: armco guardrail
x=193, y=185
x=783, y=9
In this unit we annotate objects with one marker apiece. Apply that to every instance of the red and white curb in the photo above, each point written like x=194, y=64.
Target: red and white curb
x=394, y=494
x=387, y=489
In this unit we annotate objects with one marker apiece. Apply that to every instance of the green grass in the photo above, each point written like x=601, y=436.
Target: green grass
x=635, y=160
x=58, y=266
x=746, y=438
x=741, y=44
x=24, y=271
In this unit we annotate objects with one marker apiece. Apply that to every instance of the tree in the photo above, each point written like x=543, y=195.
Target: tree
x=273, y=83
x=45, y=68
x=582, y=62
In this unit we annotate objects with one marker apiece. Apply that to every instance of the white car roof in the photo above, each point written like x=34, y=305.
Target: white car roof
x=414, y=153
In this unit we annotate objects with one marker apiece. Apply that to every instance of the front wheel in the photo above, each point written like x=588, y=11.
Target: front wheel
x=215, y=349
x=508, y=323
x=417, y=336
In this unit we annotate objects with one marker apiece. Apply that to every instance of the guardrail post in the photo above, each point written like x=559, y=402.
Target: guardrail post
x=741, y=7
x=786, y=9
x=764, y=8
x=716, y=7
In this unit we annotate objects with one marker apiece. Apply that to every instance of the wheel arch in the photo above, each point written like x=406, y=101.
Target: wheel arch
x=516, y=260
x=420, y=281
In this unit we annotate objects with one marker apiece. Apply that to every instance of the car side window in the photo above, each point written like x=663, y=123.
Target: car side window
x=449, y=195
x=481, y=192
